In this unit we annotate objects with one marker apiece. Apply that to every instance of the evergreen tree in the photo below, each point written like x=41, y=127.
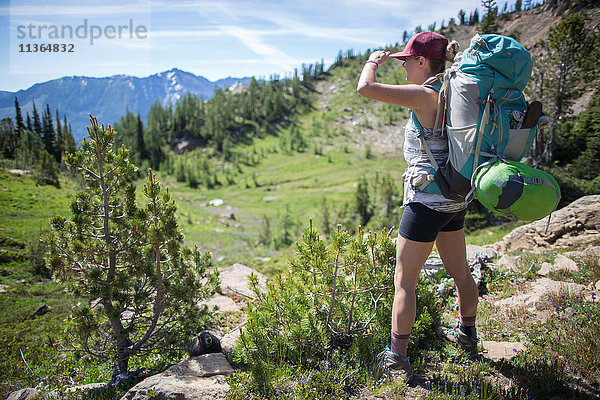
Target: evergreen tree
x=264, y=236
x=189, y=116
x=140, y=144
x=389, y=200
x=157, y=134
x=46, y=171
x=572, y=52
x=586, y=136
x=325, y=216
x=461, y=17
x=518, y=4
x=69, y=140
x=475, y=18
x=285, y=236
x=60, y=139
x=19, y=126
x=125, y=133
x=488, y=23
x=8, y=138
x=48, y=133
x=364, y=209
x=130, y=261
x=29, y=124
x=37, y=124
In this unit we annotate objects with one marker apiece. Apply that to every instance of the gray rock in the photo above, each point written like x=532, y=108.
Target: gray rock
x=497, y=351
x=24, y=394
x=89, y=386
x=234, y=279
x=546, y=269
x=564, y=263
x=531, y=299
x=223, y=303
x=593, y=251
x=507, y=263
x=229, y=340
x=574, y=225
x=198, y=378
x=473, y=250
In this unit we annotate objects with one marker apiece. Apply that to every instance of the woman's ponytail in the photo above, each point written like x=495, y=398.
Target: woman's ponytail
x=451, y=50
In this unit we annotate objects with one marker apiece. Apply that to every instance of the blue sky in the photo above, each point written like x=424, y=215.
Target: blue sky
x=215, y=39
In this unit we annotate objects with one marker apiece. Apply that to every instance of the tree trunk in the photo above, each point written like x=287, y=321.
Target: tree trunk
x=121, y=365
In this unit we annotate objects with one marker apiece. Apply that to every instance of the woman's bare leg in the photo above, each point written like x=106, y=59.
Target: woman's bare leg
x=410, y=257
x=452, y=249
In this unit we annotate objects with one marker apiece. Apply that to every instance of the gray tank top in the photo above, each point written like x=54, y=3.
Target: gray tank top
x=416, y=157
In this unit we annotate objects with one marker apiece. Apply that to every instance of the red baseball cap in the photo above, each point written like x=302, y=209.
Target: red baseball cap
x=425, y=44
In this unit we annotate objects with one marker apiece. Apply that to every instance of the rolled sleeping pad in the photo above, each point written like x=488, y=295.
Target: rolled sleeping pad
x=516, y=190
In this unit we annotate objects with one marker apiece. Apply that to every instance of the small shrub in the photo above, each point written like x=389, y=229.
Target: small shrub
x=328, y=317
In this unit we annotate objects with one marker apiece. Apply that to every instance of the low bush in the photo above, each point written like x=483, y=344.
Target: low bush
x=327, y=319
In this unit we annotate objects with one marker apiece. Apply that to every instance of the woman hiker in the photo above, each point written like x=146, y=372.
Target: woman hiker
x=428, y=218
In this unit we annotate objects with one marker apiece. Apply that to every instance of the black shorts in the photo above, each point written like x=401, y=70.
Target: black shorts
x=422, y=224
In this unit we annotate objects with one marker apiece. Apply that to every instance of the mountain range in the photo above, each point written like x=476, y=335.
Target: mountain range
x=109, y=98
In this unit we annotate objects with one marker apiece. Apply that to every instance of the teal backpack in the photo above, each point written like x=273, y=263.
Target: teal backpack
x=486, y=118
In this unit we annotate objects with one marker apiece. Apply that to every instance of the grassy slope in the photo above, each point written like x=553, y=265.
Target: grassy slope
x=291, y=179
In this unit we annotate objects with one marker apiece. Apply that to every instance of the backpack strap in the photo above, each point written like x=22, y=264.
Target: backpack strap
x=485, y=119
x=440, y=112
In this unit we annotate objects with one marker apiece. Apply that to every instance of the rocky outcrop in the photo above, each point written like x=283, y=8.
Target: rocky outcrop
x=577, y=224
x=198, y=378
x=234, y=280
x=531, y=299
x=24, y=394
x=497, y=351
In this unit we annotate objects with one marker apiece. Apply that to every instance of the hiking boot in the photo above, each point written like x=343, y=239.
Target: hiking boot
x=395, y=365
x=456, y=336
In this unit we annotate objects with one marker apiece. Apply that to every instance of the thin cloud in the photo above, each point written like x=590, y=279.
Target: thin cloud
x=70, y=10
x=253, y=40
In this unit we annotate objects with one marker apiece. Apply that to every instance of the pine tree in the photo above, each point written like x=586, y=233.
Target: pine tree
x=7, y=138
x=572, y=53
x=19, y=126
x=364, y=209
x=475, y=19
x=587, y=130
x=46, y=171
x=488, y=23
x=48, y=133
x=69, y=143
x=140, y=144
x=127, y=260
x=325, y=216
x=389, y=199
x=461, y=17
x=37, y=124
